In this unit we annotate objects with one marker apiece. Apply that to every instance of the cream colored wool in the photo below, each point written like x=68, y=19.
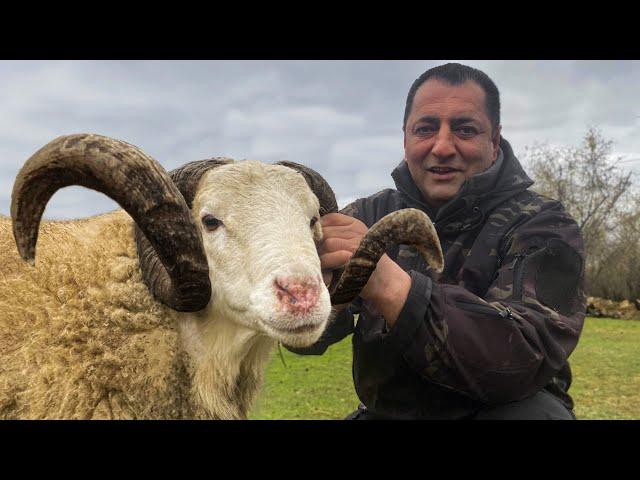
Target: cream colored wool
x=82, y=334
x=91, y=343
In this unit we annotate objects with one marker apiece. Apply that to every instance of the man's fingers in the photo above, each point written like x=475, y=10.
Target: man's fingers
x=334, y=244
x=346, y=232
x=333, y=260
x=336, y=219
x=342, y=236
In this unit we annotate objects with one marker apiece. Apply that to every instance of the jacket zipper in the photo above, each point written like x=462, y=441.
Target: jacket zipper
x=479, y=308
x=518, y=266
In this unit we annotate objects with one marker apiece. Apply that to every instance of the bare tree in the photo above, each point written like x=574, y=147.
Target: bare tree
x=596, y=192
x=618, y=272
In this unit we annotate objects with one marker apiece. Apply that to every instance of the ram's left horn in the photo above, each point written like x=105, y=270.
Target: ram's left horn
x=409, y=227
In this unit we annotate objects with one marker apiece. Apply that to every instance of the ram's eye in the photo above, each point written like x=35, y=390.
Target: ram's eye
x=211, y=223
x=313, y=222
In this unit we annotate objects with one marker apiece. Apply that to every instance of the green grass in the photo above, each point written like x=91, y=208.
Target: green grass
x=308, y=387
x=606, y=384
x=606, y=370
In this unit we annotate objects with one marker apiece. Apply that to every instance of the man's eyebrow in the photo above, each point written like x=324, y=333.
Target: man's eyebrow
x=428, y=119
x=461, y=120
x=454, y=120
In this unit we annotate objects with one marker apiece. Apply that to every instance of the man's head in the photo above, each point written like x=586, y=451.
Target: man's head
x=451, y=129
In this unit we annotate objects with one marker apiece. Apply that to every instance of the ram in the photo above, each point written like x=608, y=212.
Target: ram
x=170, y=307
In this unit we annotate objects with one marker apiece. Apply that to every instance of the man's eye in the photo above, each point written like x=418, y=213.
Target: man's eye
x=211, y=223
x=467, y=131
x=424, y=129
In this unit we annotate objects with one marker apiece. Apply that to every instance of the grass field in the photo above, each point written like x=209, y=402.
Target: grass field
x=606, y=369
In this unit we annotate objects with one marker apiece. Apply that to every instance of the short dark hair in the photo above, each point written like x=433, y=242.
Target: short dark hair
x=456, y=74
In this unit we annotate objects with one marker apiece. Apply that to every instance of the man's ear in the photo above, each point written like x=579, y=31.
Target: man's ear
x=404, y=142
x=495, y=142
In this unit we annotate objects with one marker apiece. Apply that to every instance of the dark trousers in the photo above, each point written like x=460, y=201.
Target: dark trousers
x=541, y=406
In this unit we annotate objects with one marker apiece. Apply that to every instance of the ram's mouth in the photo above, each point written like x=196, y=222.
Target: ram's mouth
x=290, y=326
x=296, y=330
x=300, y=333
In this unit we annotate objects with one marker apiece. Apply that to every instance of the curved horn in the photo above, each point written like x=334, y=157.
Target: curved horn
x=409, y=227
x=140, y=186
x=186, y=180
x=318, y=186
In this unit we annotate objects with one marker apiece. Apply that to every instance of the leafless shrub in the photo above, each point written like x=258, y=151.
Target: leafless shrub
x=601, y=197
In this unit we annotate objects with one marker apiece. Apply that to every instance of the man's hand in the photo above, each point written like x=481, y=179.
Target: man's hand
x=388, y=285
x=341, y=236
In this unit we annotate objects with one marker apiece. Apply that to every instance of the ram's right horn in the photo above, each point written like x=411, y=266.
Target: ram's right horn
x=140, y=186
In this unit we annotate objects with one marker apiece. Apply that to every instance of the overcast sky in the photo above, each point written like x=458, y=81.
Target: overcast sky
x=342, y=118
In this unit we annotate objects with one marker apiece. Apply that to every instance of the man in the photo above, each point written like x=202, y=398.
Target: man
x=490, y=336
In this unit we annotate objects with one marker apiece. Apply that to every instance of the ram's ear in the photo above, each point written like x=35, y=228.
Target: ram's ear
x=318, y=186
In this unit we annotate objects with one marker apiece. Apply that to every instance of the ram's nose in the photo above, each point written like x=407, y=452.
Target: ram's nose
x=297, y=295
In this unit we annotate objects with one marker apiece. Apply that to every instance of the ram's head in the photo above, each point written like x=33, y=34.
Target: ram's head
x=235, y=239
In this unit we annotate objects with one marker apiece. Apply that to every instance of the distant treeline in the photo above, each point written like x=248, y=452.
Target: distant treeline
x=604, y=199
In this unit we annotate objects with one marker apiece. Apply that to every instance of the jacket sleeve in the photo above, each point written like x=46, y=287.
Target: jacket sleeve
x=509, y=344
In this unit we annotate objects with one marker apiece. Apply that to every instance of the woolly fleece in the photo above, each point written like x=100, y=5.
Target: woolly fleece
x=80, y=335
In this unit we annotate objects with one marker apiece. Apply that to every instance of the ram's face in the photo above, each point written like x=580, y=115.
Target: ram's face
x=260, y=228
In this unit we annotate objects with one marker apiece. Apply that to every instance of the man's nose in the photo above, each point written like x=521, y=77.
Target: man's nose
x=444, y=146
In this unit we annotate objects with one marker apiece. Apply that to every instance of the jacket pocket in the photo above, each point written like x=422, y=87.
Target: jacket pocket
x=484, y=309
x=519, y=267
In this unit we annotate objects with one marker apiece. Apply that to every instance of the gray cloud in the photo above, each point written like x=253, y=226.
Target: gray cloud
x=341, y=117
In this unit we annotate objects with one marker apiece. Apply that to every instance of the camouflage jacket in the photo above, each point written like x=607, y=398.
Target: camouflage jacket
x=496, y=326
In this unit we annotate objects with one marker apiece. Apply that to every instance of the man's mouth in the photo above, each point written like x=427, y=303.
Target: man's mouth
x=442, y=170
x=443, y=174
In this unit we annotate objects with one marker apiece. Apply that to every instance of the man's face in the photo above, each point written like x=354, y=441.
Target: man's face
x=448, y=138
